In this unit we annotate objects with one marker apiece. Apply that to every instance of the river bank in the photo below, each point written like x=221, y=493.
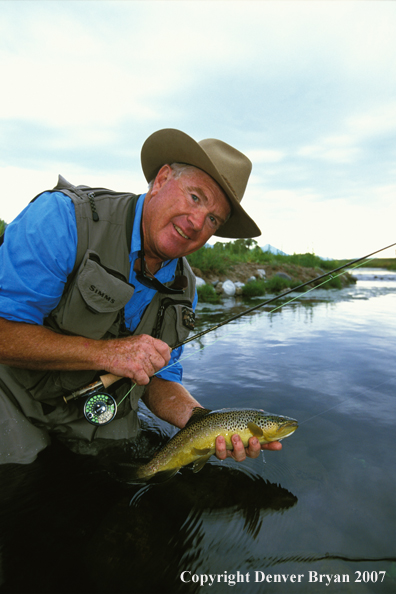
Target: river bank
x=252, y=279
x=244, y=271
x=255, y=272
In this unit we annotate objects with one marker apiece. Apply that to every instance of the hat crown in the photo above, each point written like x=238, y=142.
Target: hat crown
x=233, y=166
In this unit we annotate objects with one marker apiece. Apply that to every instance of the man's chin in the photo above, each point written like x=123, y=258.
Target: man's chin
x=170, y=252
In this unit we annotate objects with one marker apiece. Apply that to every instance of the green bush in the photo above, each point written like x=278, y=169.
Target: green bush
x=210, y=260
x=254, y=288
x=275, y=284
x=333, y=283
x=207, y=294
x=3, y=226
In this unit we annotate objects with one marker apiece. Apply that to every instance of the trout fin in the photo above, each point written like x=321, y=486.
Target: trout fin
x=202, y=452
x=197, y=414
x=255, y=430
x=199, y=464
x=135, y=475
x=164, y=475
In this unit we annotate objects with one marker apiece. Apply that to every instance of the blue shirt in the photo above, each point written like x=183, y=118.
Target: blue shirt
x=38, y=254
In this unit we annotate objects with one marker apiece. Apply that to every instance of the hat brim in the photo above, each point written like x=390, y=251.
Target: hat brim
x=169, y=146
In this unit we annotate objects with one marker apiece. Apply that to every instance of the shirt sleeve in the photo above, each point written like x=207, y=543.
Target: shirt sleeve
x=37, y=255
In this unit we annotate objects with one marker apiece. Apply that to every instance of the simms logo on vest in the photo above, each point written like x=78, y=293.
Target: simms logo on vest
x=101, y=294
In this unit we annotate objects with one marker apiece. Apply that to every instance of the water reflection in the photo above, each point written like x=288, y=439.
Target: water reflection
x=217, y=510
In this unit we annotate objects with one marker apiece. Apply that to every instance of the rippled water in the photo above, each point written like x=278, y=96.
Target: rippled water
x=324, y=504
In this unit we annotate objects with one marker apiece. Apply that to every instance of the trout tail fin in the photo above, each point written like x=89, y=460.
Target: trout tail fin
x=135, y=474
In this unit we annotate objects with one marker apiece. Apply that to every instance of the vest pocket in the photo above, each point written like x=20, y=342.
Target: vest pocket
x=176, y=323
x=94, y=299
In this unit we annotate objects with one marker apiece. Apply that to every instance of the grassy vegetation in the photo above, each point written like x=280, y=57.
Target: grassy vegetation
x=219, y=259
x=207, y=294
x=221, y=256
x=276, y=284
x=3, y=225
x=388, y=263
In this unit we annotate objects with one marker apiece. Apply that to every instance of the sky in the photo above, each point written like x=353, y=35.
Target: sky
x=307, y=90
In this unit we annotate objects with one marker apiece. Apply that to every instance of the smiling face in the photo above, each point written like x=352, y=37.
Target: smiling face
x=181, y=213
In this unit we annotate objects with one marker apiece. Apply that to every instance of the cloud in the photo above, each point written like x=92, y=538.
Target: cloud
x=303, y=221
x=377, y=121
x=337, y=149
x=355, y=132
x=21, y=185
x=265, y=155
x=306, y=89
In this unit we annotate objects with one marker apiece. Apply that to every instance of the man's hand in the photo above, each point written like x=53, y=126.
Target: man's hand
x=239, y=453
x=137, y=357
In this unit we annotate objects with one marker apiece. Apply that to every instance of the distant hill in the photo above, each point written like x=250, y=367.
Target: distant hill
x=270, y=248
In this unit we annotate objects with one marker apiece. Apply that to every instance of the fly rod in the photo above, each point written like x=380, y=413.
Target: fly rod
x=108, y=379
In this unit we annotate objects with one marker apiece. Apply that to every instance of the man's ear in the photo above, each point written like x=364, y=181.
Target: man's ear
x=163, y=175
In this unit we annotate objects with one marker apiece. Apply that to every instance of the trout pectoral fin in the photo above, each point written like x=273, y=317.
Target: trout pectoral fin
x=255, y=430
x=202, y=452
x=199, y=464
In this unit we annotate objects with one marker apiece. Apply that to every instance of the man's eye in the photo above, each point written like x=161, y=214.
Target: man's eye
x=213, y=220
x=195, y=198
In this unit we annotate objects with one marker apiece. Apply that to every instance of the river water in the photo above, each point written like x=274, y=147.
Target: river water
x=324, y=505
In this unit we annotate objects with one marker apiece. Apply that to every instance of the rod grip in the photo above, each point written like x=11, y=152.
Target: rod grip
x=108, y=379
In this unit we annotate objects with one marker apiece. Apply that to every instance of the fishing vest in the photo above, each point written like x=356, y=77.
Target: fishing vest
x=97, y=290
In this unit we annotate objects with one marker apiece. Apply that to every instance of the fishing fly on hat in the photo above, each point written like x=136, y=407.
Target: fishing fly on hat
x=226, y=165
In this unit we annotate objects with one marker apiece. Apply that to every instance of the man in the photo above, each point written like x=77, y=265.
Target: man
x=89, y=276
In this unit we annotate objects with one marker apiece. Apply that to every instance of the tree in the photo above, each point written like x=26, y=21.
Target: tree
x=3, y=226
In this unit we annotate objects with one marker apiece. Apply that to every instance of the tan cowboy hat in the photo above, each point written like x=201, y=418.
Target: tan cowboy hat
x=227, y=166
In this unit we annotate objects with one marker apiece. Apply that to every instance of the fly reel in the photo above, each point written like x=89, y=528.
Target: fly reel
x=100, y=409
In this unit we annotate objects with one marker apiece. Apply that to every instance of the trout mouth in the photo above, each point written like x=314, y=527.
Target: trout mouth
x=287, y=428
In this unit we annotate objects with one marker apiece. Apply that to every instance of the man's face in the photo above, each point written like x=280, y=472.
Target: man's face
x=181, y=214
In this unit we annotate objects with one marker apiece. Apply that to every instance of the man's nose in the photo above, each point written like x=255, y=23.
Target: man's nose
x=197, y=219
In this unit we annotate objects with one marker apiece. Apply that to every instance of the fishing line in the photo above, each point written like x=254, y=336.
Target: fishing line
x=170, y=365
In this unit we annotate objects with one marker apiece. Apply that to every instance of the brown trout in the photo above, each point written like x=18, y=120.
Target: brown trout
x=195, y=443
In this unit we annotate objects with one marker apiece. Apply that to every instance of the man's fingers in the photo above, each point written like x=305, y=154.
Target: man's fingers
x=239, y=452
x=137, y=357
x=163, y=350
x=254, y=448
x=221, y=450
x=273, y=445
